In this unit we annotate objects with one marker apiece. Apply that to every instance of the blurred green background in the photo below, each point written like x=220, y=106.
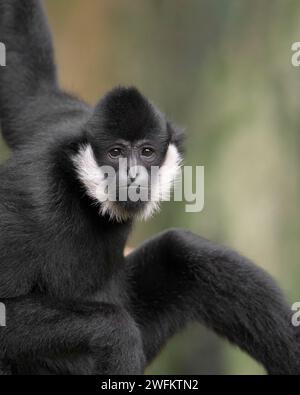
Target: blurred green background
x=221, y=69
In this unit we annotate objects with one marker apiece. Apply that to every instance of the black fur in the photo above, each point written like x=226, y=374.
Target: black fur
x=75, y=305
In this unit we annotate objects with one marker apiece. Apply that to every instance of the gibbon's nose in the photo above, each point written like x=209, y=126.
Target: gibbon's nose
x=132, y=172
x=131, y=178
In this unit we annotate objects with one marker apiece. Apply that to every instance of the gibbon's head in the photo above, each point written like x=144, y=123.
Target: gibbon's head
x=131, y=158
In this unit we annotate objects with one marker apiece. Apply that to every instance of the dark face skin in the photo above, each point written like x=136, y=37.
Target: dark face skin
x=140, y=156
x=137, y=153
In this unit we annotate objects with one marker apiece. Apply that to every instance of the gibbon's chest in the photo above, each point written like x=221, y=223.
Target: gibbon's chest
x=83, y=264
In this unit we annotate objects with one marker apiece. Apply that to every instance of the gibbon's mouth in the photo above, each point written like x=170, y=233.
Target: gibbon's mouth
x=137, y=187
x=133, y=194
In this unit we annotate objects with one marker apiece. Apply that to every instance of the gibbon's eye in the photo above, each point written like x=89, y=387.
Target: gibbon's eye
x=115, y=153
x=147, y=152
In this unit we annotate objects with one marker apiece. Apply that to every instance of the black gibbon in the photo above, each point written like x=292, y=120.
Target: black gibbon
x=75, y=304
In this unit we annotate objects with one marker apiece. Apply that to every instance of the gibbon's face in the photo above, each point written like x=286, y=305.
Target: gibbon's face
x=132, y=158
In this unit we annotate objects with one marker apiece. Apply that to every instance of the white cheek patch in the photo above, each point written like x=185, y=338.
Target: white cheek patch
x=90, y=173
x=167, y=175
x=169, y=171
x=93, y=178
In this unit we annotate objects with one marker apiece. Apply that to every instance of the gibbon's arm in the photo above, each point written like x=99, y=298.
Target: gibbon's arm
x=42, y=336
x=179, y=277
x=30, y=98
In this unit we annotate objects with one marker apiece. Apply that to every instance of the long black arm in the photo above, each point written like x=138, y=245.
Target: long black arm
x=179, y=277
x=30, y=71
x=31, y=101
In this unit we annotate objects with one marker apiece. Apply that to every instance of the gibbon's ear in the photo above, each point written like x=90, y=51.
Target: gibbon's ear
x=177, y=136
